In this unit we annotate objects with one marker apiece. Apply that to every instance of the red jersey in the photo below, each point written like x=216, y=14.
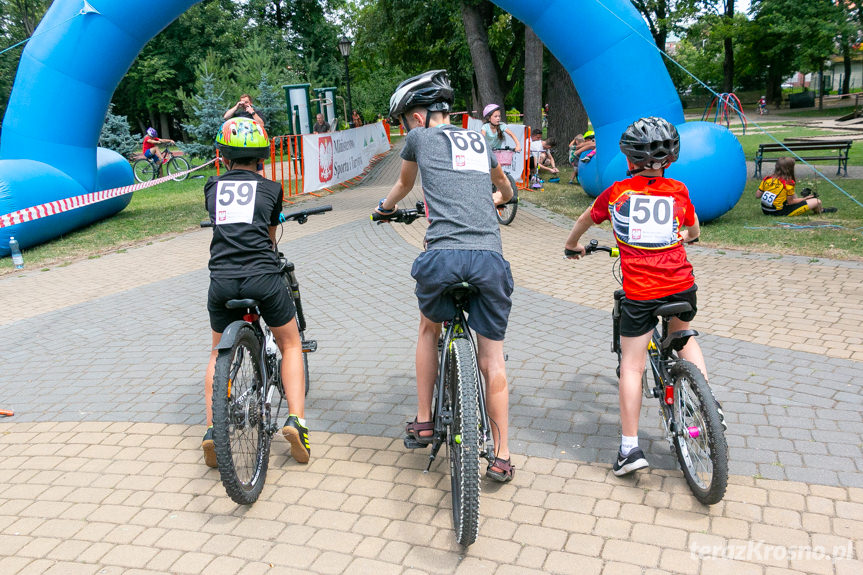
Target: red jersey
x=148, y=143
x=647, y=214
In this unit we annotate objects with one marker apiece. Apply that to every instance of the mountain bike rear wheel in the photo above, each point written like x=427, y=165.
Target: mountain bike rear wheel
x=699, y=439
x=143, y=170
x=239, y=426
x=463, y=441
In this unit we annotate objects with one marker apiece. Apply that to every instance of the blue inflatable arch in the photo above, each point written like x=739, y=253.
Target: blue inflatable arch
x=81, y=51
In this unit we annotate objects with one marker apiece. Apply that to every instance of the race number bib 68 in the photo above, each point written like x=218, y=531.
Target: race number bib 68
x=651, y=220
x=468, y=151
x=235, y=202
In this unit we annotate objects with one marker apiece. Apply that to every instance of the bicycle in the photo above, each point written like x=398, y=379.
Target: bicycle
x=506, y=212
x=247, y=378
x=458, y=405
x=147, y=169
x=690, y=414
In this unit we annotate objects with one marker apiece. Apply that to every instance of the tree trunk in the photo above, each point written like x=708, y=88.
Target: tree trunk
x=846, y=62
x=821, y=87
x=567, y=114
x=475, y=30
x=728, y=63
x=532, y=78
x=165, y=125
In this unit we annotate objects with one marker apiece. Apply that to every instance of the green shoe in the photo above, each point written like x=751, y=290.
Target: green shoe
x=297, y=435
x=209, y=449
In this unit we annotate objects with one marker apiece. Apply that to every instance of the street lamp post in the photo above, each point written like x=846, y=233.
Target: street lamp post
x=345, y=49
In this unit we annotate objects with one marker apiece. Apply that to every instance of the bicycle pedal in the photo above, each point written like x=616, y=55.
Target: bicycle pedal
x=310, y=346
x=412, y=443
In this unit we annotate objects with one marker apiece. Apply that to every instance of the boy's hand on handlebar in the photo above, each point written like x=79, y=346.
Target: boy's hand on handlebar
x=384, y=212
x=574, y=254
x=497, y=198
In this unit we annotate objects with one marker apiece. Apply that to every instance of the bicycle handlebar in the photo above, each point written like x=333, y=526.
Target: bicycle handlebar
x=593, y=246
x=300, y=216
x=403, y=216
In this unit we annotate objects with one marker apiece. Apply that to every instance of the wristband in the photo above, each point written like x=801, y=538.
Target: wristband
x=381, y=208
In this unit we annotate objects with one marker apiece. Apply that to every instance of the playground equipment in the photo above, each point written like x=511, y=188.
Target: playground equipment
x=721, y=105
x=621, y=78
x=50, y=158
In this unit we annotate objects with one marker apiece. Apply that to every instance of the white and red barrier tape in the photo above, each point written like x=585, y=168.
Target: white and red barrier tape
x=69, y=204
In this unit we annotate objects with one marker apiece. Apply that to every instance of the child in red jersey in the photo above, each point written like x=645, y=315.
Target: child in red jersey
x=652, y=217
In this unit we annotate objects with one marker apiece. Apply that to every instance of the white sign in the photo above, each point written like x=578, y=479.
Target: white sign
x=468, y=151
x=335, y=157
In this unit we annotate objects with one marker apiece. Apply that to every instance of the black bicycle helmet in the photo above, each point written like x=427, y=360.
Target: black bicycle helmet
x=430, y=90
x=650, y=143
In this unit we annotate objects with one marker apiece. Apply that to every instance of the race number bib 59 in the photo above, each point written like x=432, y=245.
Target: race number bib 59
x=468, y=151
x=651, y=220
x=235, y=202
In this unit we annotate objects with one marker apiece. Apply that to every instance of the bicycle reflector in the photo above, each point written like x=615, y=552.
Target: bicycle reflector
x=669, y=395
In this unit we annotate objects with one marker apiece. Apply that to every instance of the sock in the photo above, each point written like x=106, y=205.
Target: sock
x=299, y=419
x=627, y=444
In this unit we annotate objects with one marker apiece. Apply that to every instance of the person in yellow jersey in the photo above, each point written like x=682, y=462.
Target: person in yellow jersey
x=777, y=196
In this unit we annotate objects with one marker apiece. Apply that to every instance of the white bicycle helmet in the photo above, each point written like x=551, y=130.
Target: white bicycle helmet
x=430, y=90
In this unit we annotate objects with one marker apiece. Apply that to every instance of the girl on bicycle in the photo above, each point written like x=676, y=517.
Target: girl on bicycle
x=652, y=217
x=495, y=131
x=150, y=147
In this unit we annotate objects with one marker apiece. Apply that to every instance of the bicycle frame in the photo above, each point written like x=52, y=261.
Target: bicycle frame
x=454, y=329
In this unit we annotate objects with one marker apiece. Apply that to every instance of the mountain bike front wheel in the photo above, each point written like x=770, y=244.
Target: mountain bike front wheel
x=699, y=439
x=177, y=165
x=463, y=441
x=239, y=422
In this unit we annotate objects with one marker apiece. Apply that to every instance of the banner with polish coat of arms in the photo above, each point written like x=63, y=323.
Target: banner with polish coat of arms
x=332, y=158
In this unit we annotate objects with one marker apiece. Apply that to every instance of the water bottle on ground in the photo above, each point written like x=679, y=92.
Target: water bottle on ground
x=15, y=249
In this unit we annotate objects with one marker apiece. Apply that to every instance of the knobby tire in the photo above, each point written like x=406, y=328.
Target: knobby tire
x=694, y=405
x=178, y=166
x=143, y=170
x=239, y=434
x=463, y=439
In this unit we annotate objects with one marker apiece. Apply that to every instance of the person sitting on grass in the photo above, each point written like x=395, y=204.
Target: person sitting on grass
x=540, y=158
x=776, y=193
x=587, y=144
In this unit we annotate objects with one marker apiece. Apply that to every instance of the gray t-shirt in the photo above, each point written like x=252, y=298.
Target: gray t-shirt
x=454, y=165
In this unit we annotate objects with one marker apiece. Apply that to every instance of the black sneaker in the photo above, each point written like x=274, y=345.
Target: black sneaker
x=632, y=462
x=209, y=449
x=298, y=436
x=829, y=210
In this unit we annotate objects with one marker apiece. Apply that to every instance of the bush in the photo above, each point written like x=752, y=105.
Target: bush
x=116, y=136
x=513, y=116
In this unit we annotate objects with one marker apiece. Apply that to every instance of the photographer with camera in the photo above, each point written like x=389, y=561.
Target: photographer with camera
x=244, y=109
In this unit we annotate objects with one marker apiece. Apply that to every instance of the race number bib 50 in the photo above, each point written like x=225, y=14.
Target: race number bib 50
x=235, y=202
x=468, y=151
x=651, y=220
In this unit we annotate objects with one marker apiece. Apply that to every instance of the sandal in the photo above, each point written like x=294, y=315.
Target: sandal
x=412, y=433
x=506, y=473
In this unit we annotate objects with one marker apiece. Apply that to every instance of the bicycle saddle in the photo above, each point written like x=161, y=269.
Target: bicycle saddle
x=460, y=291
x=676, y=308
x=241, y=303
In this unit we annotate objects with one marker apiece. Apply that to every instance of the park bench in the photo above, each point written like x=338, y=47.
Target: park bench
x=808, y=150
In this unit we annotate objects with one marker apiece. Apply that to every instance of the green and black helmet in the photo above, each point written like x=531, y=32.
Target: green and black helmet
x=242, y=138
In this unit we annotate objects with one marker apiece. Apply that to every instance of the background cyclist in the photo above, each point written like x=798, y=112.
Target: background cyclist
x=245, y=209
x=653, y=261
x=462, y=244
x=495, y=131
x=150, y=146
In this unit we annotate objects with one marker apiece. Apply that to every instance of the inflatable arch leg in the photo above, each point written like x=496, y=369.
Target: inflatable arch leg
x=621, y=78
x=67, y=75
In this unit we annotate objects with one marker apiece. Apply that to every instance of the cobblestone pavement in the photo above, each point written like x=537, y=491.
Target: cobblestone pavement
x=102, y=470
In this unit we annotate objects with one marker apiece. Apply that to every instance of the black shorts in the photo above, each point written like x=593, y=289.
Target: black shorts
x=639, y=317
x=788, y=210
x=488, y=311
x=271, y=290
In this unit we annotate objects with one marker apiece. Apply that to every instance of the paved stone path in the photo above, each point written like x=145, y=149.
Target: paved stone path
x=102, y=471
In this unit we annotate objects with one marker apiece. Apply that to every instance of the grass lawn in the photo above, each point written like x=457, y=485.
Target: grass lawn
x=746, y=228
